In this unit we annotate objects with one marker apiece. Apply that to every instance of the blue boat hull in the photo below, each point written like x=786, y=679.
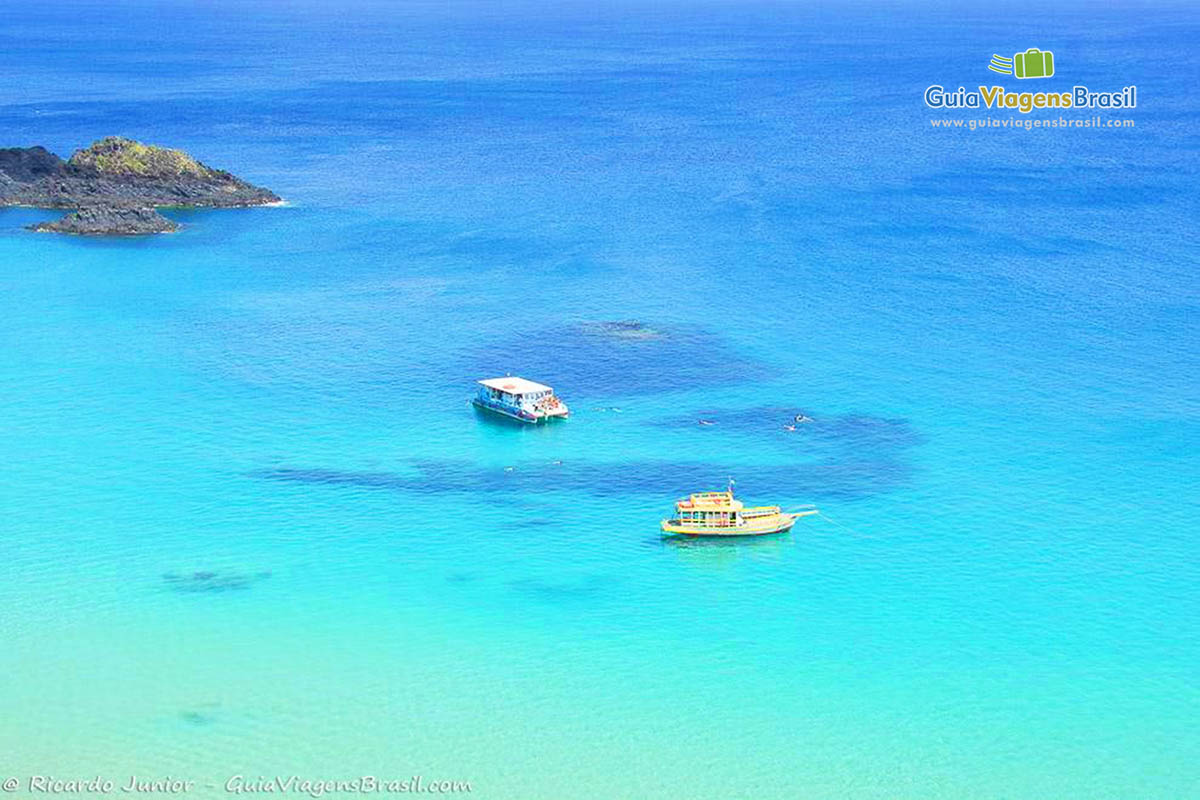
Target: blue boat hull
x=510, y=412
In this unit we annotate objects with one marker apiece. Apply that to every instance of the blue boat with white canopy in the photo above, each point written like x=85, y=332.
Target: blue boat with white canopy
x=520, y=399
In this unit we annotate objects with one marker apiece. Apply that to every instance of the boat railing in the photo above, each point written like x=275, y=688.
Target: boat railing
x=760, y=511
x=716, y=498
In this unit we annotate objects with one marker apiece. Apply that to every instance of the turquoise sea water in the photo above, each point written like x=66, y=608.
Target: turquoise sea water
x=995, y=331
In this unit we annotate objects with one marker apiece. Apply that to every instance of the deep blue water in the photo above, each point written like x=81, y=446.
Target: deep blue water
x=995, y=333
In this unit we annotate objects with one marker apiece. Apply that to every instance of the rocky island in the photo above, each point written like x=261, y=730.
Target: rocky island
x=116, y=186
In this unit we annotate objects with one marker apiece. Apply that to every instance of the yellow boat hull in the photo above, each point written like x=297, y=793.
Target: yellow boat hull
x=765, y=526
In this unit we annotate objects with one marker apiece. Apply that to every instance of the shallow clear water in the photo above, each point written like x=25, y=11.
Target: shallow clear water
x=995, y=333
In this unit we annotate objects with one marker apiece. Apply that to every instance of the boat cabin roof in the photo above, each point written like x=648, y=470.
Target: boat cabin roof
x=513, y=385
x=709, y=501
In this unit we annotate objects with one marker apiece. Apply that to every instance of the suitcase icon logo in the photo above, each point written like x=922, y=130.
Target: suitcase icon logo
x=1033, y=63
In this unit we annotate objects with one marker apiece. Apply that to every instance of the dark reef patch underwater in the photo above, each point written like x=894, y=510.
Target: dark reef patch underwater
x=205, y=581
x=847, y=479
x=617, y=357
x=848, y=456
x=562, y=590
x=196, y=718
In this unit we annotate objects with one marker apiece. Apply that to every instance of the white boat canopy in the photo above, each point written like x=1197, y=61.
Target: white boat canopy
x=515, y=385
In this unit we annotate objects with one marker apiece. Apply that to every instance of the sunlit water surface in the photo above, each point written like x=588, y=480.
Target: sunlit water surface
x=249, y=524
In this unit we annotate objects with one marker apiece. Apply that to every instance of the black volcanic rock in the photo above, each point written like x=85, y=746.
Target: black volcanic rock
x=110, y=220
x=28, y=164
x=119, y=181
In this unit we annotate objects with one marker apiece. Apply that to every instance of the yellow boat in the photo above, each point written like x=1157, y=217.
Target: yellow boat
x=719, y=514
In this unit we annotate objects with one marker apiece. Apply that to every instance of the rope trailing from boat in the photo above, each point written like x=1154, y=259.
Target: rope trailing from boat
x=846, y=528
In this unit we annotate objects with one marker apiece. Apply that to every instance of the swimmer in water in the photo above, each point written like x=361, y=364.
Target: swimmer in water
x=803, y=418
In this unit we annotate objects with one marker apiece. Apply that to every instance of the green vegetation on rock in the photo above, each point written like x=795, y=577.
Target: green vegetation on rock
x=114, y=155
